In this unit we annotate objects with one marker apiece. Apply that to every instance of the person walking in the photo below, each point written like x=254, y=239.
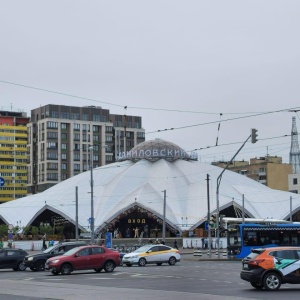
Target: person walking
x=175, y=244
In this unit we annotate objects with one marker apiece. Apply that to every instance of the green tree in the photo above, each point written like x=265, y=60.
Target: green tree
x=46, y=229
x=3, y=231
x=34, y=231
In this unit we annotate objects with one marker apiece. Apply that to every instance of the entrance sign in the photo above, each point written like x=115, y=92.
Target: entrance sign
x=108, y=240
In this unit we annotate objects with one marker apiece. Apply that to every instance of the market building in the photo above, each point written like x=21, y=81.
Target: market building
x=130, y=194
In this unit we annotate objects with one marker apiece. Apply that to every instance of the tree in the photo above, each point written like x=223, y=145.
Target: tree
x=3, y=231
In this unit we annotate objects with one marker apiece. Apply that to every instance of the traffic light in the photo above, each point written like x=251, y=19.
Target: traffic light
x=213, y=220
x=222, y=222
x=253, y=135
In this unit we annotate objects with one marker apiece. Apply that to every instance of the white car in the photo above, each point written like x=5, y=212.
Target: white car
x=152, y=254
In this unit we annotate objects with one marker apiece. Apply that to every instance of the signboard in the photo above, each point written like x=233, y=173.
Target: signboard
x=108, y=240
x=2, y=181
x=206, y=226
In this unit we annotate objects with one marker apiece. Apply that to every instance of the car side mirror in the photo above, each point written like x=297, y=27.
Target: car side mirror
x=77, y=255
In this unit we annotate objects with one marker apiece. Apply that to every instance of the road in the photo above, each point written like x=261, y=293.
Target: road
x=190, y=279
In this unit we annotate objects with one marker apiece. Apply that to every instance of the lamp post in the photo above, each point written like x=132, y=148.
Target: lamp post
x=217, y=197
x=92, y=195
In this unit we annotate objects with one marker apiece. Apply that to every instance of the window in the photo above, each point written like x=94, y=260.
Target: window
x=64, y=136
x=85, y=117
x=52, y=176
x=76, y=167
x=52, y=155
x=64, y=156
x=76, y=126
x=108, y=128
x=140, y=134
x=52, y=145
x=52, y=166
x=51, y=124
x=96, y=118
x=77, y=156
x=96, y=128
x=64, y=115
x=63, y=126
x=77, y=147
x=64, y=146
x=64, y=166
x=97, y=250
x=75, y=116
x=96, y=138
x=76, y=137
x=52, y=135
x=84, y=252
x=108, y=138
x=85, y=127
x=295, y=181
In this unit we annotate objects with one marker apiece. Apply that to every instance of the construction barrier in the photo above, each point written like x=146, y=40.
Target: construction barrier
x=197, y=253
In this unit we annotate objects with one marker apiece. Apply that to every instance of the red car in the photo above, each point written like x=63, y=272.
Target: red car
x=84, y=258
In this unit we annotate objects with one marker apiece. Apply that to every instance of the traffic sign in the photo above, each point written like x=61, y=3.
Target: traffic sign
x=2, y=181
x=206, y=226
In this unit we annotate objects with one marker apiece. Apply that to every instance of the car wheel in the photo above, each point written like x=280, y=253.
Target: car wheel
x=142, y=262
x=66, y=269
x=129, y=265
x=272, y=281
x=257, y=285
x=109, y=266
x=21, y=266
x=40, y=265
x=159, y=264
x=172, y=261
x=98, y=270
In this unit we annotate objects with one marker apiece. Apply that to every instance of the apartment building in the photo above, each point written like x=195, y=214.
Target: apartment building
x=13, y=155
x=268, y=170
x=64, y=141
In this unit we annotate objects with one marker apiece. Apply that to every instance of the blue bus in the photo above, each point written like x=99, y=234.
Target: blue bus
x=241, y=238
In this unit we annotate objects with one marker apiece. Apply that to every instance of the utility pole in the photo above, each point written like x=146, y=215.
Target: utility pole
x=253, y=135
x=208, y=216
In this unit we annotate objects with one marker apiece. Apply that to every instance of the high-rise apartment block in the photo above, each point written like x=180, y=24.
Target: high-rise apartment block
x=62, y=140
x=13, y=155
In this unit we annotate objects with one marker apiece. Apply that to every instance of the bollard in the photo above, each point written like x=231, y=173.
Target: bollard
x=216, y=253
x=225, y=253
x=32, y=246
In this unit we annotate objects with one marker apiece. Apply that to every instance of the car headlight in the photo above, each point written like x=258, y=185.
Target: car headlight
x=54, y=261
x=30, y=258
x=135, y=256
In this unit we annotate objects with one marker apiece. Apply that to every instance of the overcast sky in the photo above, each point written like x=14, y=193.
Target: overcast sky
x=185, y=65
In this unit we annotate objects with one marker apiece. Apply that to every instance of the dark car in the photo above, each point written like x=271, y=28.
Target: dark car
x=84, y=258
x=270, y=267
x=12, y=259
x=36, y=262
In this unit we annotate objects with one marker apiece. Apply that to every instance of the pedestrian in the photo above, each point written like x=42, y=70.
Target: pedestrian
x=44, y=247
x=150, y=242
x=175, y=244
x=136, y=232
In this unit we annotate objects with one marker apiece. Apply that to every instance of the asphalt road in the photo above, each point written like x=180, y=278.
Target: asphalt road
x=190, y=279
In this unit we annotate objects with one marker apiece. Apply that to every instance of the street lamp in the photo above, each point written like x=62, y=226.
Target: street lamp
x=92, y=195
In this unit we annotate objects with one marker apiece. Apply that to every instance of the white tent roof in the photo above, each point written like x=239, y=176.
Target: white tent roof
x=121, y=185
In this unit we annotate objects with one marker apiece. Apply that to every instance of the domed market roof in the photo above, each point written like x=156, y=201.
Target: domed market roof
x=156, y=149
x=123, y=185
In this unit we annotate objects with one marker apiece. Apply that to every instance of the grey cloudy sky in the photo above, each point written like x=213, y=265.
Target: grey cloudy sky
x=175, y=63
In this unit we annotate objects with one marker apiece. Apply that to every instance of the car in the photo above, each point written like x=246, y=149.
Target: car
x=269, y=268
x=152, y=254
x=84, y=258
x=36, y=262
x=12, y=259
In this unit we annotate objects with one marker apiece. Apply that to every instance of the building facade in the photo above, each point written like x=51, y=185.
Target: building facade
x=13, y=156
x=268, y=170
x=64, y=141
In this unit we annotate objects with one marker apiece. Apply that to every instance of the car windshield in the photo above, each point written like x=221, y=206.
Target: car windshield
x=48, y=250
x=72, y=251
x=142, y=249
